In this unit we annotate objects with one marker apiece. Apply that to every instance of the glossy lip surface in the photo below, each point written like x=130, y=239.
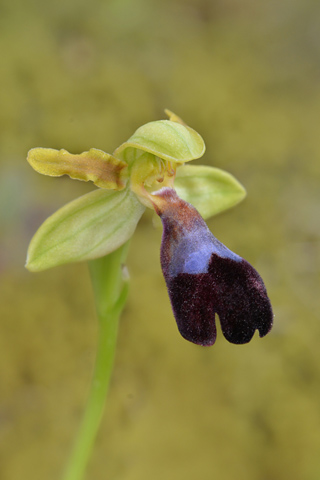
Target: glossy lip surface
x=204, y=277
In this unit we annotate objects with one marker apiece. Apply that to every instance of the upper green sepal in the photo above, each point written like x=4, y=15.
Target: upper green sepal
x=210, y=190
x=89, y=227
x=165, y=139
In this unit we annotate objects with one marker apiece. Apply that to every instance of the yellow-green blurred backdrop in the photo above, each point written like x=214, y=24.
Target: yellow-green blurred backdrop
x=246, y=74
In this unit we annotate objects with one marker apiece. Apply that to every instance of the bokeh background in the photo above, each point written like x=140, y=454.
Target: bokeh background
x=246, y=75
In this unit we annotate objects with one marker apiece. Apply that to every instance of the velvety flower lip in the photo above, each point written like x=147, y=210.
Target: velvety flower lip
x=204, y=277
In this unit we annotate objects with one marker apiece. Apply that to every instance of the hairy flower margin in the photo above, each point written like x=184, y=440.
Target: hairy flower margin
x=203, y=277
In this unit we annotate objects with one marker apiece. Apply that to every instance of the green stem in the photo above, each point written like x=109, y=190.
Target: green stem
x=110, y=292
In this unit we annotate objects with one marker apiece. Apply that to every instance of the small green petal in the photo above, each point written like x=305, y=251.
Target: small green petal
x=102, y=169
x=89, y=227
x=173, y=117
x=209, y=189
x=165, y=139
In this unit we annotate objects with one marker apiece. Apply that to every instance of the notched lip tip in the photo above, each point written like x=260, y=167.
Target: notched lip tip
x=265, y=333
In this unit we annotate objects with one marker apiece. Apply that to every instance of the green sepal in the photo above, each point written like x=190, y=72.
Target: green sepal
x=89, y=227
x=165, y=139
x=209, y=189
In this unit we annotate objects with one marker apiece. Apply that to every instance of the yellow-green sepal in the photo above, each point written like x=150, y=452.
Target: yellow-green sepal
x=89, y=227
x=103, y=169
x=209, y=189
x=169, y=140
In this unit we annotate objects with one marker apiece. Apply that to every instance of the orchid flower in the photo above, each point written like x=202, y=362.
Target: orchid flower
x=203, y=276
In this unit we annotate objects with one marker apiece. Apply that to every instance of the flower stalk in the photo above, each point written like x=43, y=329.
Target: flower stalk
x=110, y=286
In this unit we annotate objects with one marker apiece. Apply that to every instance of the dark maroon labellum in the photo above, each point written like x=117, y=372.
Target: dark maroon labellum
x=204, y=278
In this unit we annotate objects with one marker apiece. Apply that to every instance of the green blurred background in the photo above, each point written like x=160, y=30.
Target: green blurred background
x=245, y=74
